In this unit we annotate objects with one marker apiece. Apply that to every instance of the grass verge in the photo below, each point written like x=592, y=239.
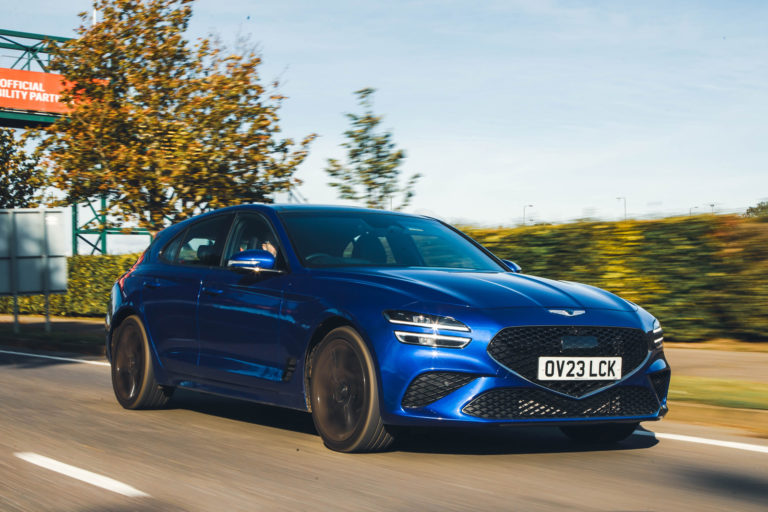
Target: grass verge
x=719, y=392
x=721, y=344
x=86, y=340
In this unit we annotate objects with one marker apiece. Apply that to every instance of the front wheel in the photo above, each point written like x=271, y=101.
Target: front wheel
x=344, y=394
x=133, y=376
x=605, y=433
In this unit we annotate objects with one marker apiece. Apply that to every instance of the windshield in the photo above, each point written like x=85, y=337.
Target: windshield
x=336, y=239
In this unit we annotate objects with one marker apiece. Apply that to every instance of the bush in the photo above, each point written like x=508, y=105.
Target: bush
x=703, y=277
x=90, y=281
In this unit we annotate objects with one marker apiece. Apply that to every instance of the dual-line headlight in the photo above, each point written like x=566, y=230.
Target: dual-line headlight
x=658, y=335
x=435, y=323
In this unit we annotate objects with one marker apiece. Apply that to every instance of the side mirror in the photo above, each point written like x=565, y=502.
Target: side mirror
x=256, y=260
x=514, y=267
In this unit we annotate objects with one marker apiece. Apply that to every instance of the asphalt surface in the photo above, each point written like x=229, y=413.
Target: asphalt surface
x=211, y=454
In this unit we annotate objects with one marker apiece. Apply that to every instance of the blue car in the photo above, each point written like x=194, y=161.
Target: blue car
x=374, y=321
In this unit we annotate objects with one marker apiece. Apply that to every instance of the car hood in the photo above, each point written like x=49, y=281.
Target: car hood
x=486, y=290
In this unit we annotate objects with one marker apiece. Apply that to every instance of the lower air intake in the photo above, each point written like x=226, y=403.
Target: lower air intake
x=660, y=382
x=529, y=403
x=432, y=386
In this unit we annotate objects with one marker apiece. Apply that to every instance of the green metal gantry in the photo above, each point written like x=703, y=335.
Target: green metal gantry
x=38, y=52
x=97, y=225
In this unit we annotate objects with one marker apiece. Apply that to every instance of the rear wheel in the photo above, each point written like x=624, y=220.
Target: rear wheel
x=600, y=434
x=344, y=394
x=133, y=376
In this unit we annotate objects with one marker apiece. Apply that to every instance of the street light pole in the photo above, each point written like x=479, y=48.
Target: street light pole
x=625, y=205
x=524, y=207
x=690, y=210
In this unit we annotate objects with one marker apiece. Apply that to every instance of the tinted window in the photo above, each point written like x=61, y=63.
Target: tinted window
x=252, y=231
x=382, y=239
x=204, y=242
x=168, y=253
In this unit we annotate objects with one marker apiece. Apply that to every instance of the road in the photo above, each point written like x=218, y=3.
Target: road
x=210, y=454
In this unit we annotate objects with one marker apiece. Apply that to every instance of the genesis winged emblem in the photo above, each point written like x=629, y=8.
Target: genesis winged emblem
x=567, y=312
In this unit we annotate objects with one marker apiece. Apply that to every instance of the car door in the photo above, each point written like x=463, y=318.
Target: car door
x=240, y=314
x=171, y=288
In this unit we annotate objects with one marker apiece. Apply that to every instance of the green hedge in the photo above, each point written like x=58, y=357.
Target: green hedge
x=90, y=281
x=704, y=277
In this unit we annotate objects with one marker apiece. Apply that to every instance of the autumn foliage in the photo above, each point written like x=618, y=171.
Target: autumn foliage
x=371, y=175
x=19, y=176
x=164, y=129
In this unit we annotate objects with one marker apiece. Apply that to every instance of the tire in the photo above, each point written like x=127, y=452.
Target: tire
x=606, y=433
x=133, y=375
x=344, y=394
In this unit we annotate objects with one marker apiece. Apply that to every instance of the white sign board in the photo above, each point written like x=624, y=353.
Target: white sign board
x=33, y=251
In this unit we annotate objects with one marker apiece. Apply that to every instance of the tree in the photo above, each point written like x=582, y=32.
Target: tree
x=759, y=210
x=19, y=176
x=164, y=129
x=373, y=170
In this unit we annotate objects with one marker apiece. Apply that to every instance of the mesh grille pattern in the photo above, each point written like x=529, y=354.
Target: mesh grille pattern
x=660, y=383
x=529, y=403
x=519, y=348
x=432, y=386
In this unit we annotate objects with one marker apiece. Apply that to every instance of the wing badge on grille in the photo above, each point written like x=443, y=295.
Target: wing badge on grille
x=567, y=312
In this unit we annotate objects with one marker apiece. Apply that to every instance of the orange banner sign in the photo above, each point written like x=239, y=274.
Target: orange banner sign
x=31, y=90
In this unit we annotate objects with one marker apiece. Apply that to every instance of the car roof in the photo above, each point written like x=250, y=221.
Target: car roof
x=316, y=208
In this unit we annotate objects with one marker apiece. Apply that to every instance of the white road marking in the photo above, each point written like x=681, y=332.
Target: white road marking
x=82, y=475
x=56, y=358
x=702, y=440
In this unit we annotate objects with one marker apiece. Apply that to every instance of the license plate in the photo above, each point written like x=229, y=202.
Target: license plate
x=579, y=368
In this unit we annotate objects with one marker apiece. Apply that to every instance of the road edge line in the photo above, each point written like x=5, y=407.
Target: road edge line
x=703, y=440
x=83, y=475
x=55, y=358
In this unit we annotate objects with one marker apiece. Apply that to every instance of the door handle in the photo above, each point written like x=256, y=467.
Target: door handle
x=212, y=291
x=150, y=284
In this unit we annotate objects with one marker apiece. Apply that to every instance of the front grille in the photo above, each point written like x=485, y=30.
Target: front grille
x=519, y=349
x=432, y=386
x=530, y=403
x=660, y=383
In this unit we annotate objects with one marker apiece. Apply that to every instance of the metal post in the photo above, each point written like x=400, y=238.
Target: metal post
x=524, y=207
x=14, y=276
x=46, y=274
x=103, y=226
x=15, y=313
x=624, y=198
x=75, y=227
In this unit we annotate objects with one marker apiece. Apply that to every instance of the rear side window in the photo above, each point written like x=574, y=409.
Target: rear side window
x=202, y=244
x=168, y=253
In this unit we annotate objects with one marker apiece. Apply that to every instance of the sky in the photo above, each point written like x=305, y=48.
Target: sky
x=575, y=108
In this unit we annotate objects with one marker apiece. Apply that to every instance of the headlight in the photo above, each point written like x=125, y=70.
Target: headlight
x=657, y=335
x=433, y=322
x=444, y=323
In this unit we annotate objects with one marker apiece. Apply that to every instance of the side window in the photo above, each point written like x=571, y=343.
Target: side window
x=252, y=231
x=168, y=253
x=204, y=242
